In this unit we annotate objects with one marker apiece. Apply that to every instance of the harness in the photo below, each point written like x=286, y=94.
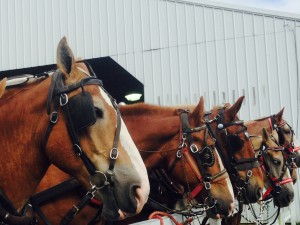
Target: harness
x=234, y=144
x=289, y=149
x=276, y=183
x=198, y=160
x=79, y=113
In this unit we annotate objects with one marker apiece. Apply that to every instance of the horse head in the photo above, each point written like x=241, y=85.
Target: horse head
x=286, y=137
x=277, y=178
x=236, y=150
x=197, y=165
x=107, y=161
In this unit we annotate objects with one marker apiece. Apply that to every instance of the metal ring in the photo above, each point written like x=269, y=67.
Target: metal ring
x=94, y=186
x=111, y=152
x=194, y=148
x=6, y=216
x=66, y=99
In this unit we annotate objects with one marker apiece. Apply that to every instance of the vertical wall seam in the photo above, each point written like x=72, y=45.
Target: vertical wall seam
x=276, y=60
x=207, y=66
x=161, y=55
x=256, y=67
x=246, y=65
x=216, y=57
x=179, y=65
x=170, y=67
x=226, y=58
x=267, y=64
x=188, y=61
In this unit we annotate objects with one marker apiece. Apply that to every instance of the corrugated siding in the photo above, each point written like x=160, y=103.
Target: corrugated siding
x=179, y=50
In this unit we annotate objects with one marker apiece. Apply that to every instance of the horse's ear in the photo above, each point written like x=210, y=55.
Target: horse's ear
x=2, y=86
x=227, y=105
x=265, y=134
x=278, y=116
x=235, y=108
x=198, y=112
x=64, y=56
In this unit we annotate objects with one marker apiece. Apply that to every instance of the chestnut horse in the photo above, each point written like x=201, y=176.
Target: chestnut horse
x=84, y=119
x=277, y=178
x=235, y=147
x=271, y=124
x=286, y=137
x=163, y=134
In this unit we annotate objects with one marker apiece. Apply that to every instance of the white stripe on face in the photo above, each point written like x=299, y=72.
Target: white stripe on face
x=228, y=182
x=131, y=149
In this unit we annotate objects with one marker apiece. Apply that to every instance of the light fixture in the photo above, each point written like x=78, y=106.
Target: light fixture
x=133, y=97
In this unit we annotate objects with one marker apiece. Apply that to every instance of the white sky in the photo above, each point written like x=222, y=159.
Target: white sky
x=291, y=6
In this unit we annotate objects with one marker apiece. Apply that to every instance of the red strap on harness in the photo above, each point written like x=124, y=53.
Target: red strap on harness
x=194, y=167
x=268, y=191
x=159, y=215
x=297, y=149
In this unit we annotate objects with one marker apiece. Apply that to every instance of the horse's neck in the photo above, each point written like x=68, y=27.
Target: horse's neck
x=23, y=162
x=255, y=127
x=150, y=132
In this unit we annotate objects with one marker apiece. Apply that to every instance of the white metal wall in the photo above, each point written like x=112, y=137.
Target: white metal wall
x=180, y=50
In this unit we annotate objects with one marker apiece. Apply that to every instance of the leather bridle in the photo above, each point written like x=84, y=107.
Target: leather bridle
x=233, y=164
x=276, y=183
x=188, y=149
x=58, y=96
x=289, y=149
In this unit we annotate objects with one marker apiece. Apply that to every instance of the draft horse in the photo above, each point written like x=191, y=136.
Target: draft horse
x=85, y=137
x=280, y=185
x=176, y=141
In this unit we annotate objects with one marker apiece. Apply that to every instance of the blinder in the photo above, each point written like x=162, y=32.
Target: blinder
x=81, y=108
x=207, y=156
x=235, y=142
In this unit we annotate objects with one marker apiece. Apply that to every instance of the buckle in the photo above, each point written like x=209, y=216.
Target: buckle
x=77, y=150
x=54, y=117
x=63, y=100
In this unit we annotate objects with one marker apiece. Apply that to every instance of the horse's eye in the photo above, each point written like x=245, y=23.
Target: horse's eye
x=276, y=161
x=99, y=112
x=287, y=131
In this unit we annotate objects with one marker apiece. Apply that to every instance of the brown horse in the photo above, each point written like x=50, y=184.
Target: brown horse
x=237, y=151
x=84, y=119
x=254, y=128
x=277, y=178
x=158, y=131
x=286, y=137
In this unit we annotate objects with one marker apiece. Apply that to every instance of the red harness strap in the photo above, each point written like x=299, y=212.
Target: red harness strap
x=159, y=215
x=186, y=153
x=297, y=149
x=194, y=167
x=268, y=191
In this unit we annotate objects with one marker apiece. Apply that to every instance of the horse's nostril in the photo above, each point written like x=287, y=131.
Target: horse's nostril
x=290, y=197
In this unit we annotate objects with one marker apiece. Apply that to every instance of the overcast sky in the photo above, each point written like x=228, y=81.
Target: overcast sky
x=292, y=6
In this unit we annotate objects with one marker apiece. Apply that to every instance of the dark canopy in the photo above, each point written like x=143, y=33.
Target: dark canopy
x=116, y=80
